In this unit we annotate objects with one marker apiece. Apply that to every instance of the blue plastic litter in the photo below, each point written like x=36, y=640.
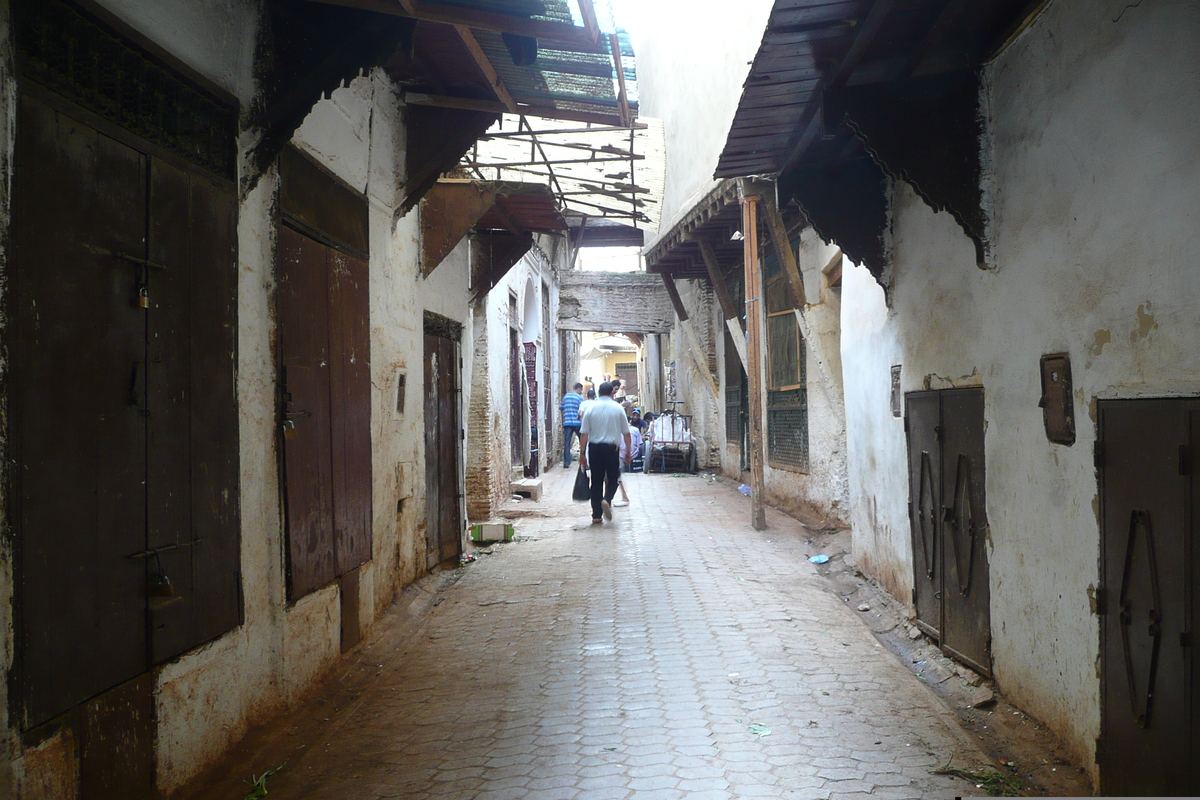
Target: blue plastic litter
x=821, y=559
x=744, y=489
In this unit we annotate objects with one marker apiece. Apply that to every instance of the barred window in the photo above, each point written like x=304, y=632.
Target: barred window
x=787, y=429
x=787, y=395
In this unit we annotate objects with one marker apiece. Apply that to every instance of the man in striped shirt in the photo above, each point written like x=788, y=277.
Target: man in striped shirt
x=570, y=411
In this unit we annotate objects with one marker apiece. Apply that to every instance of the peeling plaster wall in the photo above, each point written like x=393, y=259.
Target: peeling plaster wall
x=824, y=488
x=1097, y=196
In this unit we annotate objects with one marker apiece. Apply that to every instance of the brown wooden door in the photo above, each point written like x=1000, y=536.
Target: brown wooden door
x=443, y=517
x=192, y=456
x=78, y=394
x=324, y=333
x=1146, y=455
x=948, y=518
x=124, y=415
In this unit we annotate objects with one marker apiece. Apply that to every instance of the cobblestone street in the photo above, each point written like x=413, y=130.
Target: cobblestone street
x=672, y=653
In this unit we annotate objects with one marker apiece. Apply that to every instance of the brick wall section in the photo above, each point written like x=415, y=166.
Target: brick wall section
x=629, y=302
x=480, y=477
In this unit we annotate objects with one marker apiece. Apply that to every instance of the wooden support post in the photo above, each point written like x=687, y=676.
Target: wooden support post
x=694, y=347
x=754, y=371
x=787, y=257
x=733, y=317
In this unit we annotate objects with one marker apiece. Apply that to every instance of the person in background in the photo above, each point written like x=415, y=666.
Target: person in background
x=583, y=407
x=570, y=411
x=618, y=389
x=630, y=449
x=635, y=419
x=602, y=433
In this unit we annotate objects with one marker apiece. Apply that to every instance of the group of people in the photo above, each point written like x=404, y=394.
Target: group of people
x=610, y=440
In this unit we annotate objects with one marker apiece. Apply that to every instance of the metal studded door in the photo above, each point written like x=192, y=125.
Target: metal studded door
x=1144, y=454
x=923, y=422
x=948, y=517
x=966, y=591
x=443, y=518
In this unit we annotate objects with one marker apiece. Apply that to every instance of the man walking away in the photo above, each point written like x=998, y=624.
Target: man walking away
x=603, y=431
x=570, y=411
x=583, y=408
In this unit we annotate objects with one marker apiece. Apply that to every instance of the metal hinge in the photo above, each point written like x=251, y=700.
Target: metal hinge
x=1100, y=602
x=910, y=509
x=1098, y=455
x=462, y=435
x=1099, y=750
x=914, y=597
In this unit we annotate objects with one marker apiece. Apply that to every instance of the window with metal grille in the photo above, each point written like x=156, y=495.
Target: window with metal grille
x=735, y=394
x=787, y=395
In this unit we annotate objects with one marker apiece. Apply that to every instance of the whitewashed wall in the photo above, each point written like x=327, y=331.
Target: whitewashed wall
x=1093, y=137
x=693, y=57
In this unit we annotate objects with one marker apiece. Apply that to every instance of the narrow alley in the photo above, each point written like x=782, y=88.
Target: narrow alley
x=674, y=652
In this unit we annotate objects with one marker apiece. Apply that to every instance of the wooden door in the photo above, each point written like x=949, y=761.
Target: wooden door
x=125, y=429
x=324, y=335
x=1145, y=453
x=307, y=445
x=443, y=516
x=78, y=388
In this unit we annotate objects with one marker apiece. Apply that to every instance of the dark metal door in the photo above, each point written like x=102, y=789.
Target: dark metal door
x=923, y=421
x=443, y=518
x=78, y=396
x=1146, y=661
x=966, y=593
x=304, y=356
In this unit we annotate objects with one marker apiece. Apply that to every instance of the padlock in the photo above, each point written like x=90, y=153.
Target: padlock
x=160, y=586
x=289, y=429
x=143, y=297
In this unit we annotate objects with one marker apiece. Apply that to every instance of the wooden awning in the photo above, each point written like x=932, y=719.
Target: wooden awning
x=716, y=222
x=454, y=208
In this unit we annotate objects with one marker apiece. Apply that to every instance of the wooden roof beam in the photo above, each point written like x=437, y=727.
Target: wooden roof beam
x=485, y=66
x=622, y=98
x=496, y=107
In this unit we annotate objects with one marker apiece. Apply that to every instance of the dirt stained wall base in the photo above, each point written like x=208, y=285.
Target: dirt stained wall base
x=1075, y=197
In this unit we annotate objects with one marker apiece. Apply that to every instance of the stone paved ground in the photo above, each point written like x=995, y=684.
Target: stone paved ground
x=635, y=660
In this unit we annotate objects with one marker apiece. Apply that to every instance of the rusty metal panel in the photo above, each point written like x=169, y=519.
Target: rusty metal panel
x=78, y=393
x=1058, y=403
x=192, y=453
x=117, y=742
x=922, y=422
x=350, y=386
x=966, y=591
x=304, y=358
x=1146, y=662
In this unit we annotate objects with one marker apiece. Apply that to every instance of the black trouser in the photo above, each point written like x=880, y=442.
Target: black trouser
x=604, y=460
